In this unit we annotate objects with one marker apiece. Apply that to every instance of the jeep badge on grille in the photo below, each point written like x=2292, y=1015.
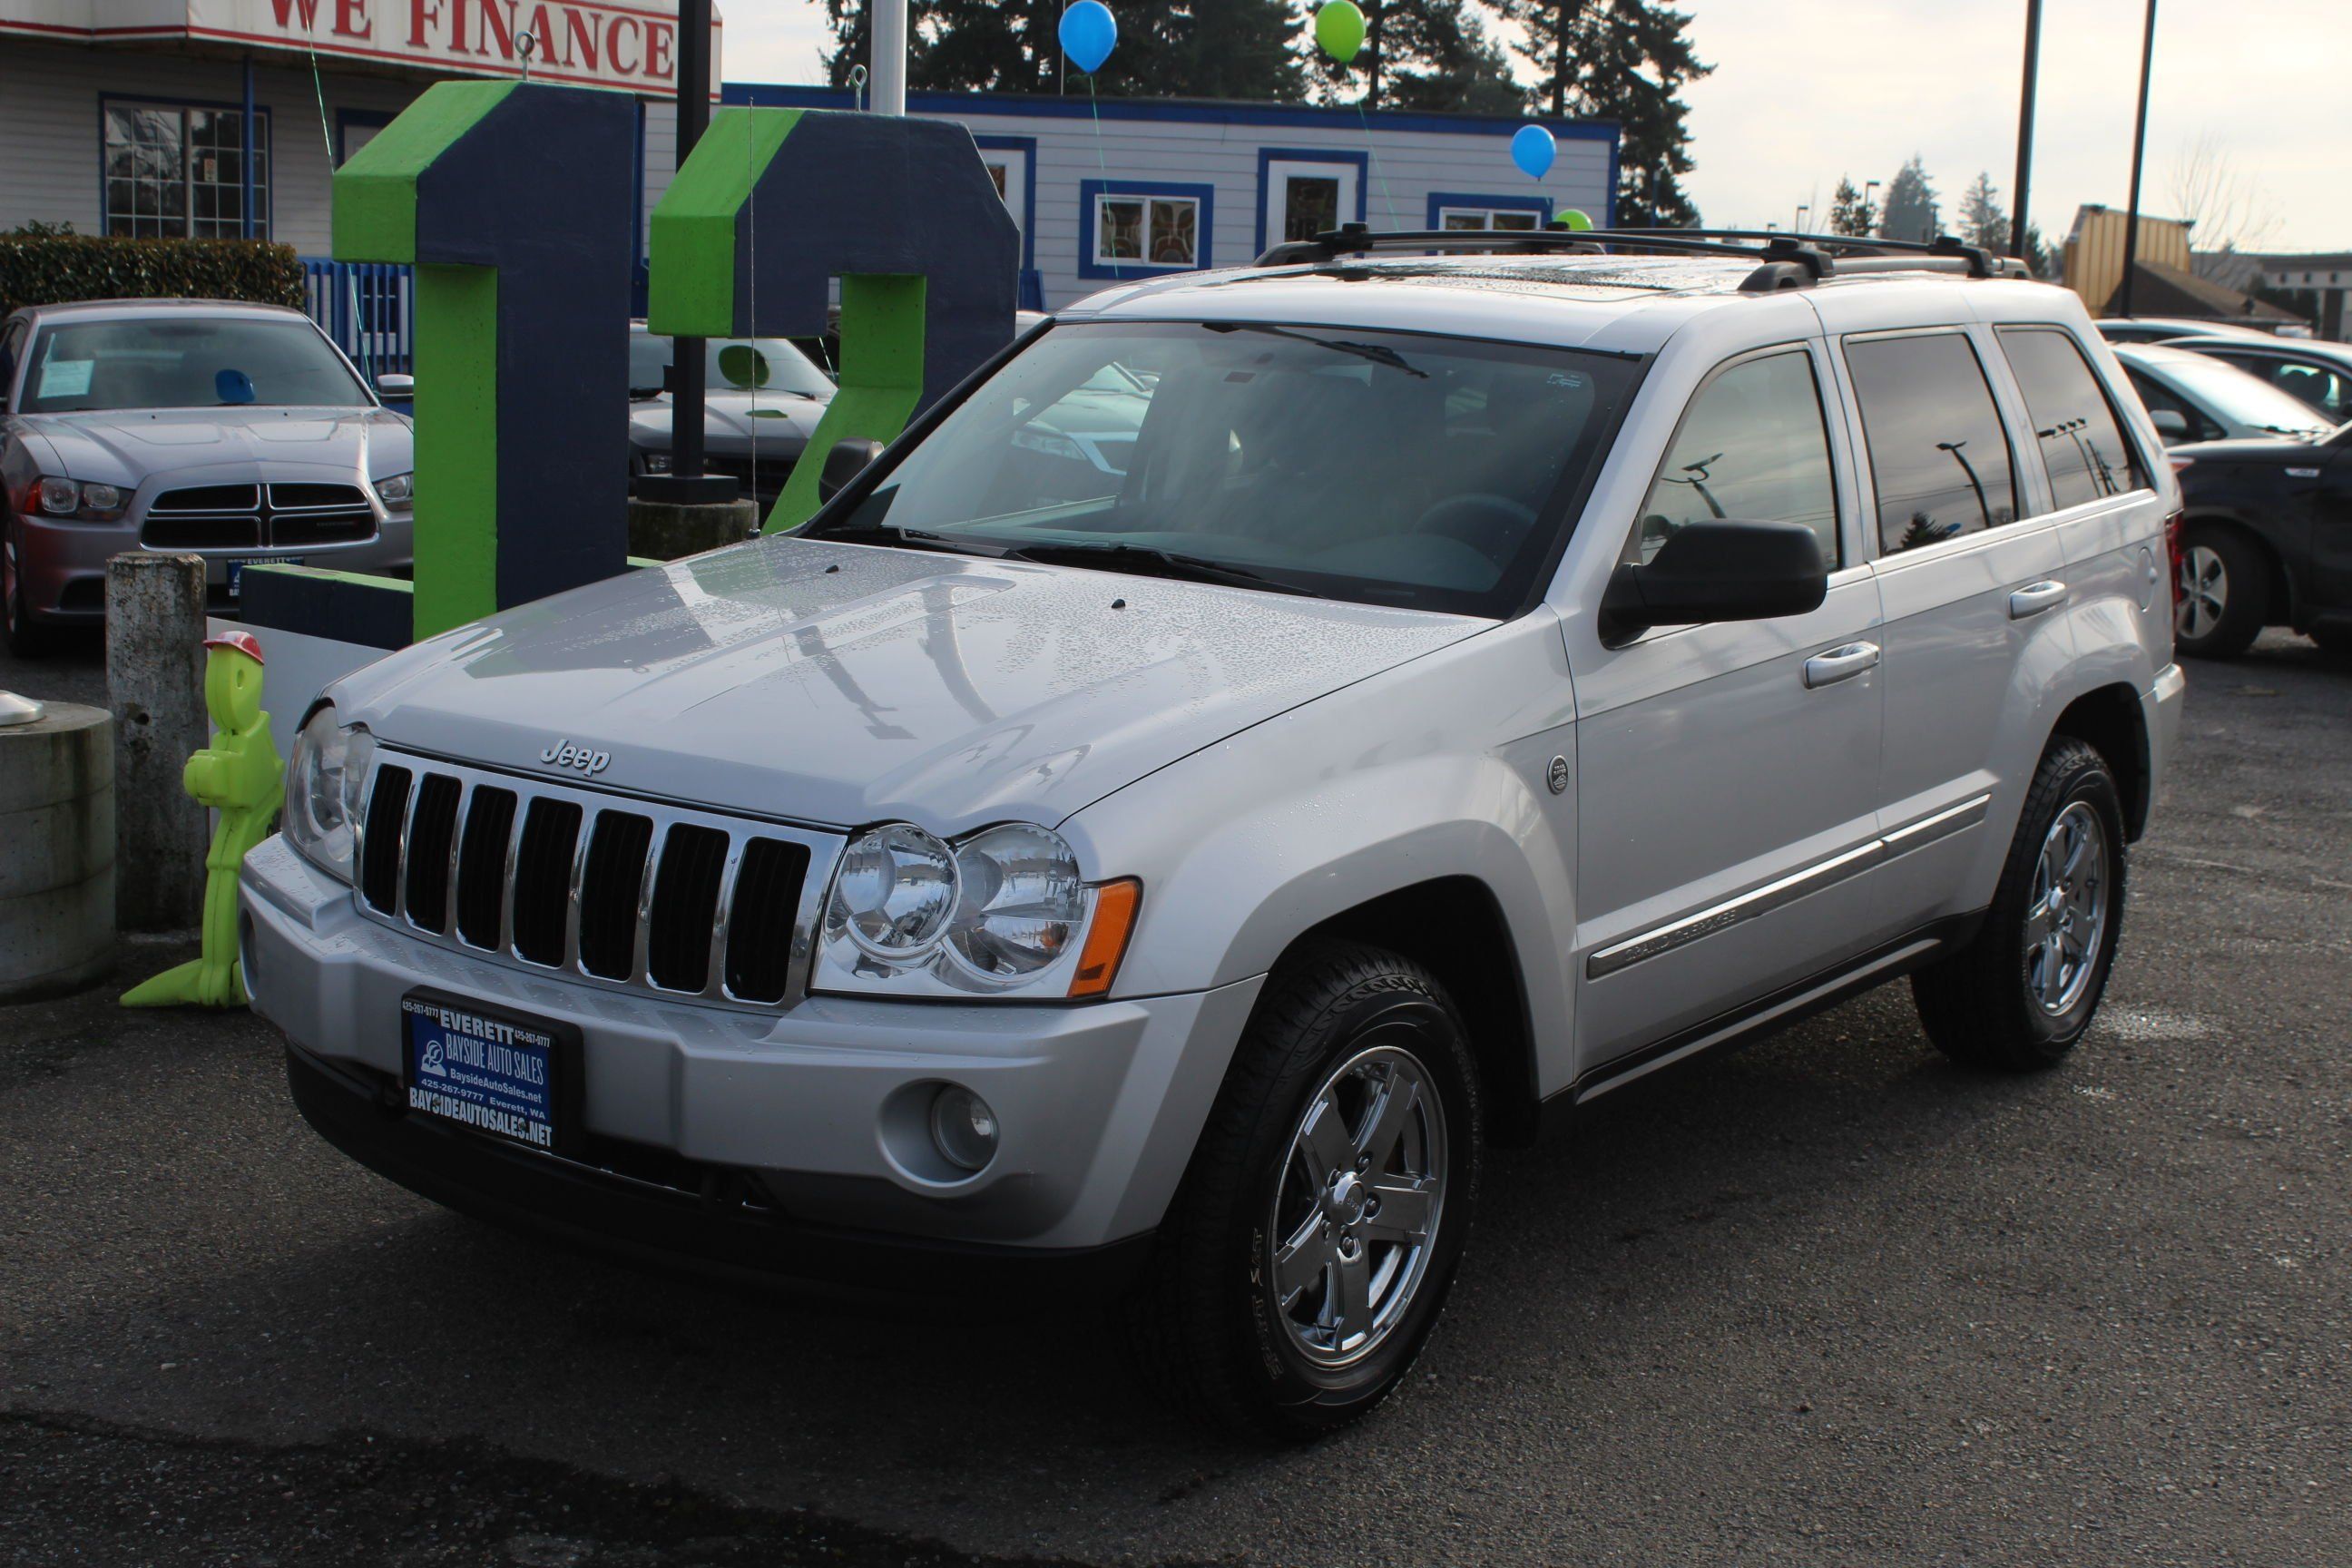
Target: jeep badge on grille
x=564, y=754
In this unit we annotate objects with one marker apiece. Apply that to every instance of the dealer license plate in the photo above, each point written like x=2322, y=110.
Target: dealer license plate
x=486, y=1072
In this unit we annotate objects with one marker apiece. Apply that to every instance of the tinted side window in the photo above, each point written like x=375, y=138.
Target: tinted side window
x=1937, y=451
x=1752, y=448
x=2083, y=443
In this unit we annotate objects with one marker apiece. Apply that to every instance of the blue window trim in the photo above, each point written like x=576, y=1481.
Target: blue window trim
x=1026, y=145
x=781, y=96
x=267, y=143
x=1539, y=205
x=349, y=119
x=1203, y=228
x=1267, y=157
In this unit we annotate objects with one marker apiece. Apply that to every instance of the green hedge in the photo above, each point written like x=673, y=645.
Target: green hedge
x=52, y=270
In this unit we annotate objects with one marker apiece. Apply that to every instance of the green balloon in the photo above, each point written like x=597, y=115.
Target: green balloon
x=1571, y=218
x=1339, y=29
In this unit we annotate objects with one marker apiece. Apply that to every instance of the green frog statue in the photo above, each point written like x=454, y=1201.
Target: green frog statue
x=239, y=776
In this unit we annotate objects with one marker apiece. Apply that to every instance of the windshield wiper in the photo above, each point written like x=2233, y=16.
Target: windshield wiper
x=1146, y=561
x=1379, y=353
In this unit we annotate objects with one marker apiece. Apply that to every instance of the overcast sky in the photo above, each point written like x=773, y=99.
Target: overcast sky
x=1806, y=90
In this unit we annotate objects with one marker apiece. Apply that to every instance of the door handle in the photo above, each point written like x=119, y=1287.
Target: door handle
x=1838, y=664
x=2036, y=597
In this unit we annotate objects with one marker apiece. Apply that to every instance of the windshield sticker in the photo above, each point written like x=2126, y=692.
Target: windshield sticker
x=66, y=378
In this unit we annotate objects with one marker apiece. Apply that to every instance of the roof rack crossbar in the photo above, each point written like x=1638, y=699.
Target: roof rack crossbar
x=1980, y=261
x=1355, y=239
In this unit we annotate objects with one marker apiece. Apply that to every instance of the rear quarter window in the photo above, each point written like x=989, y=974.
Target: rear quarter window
x=2083, y=447
x=1940, y=456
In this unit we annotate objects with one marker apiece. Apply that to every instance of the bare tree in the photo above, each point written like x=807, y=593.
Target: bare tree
x=2229, y=213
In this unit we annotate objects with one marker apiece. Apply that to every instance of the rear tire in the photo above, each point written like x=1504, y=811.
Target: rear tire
x=2224, y=593
x=1288, y=1294
x=26, y=638
x=2019, y=997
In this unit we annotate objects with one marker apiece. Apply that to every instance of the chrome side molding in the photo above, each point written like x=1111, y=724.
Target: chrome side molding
x=1786, y=890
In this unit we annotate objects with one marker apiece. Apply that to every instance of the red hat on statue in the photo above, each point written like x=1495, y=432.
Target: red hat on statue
x=244, y=642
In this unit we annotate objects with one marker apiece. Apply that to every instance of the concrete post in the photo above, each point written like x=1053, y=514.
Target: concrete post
x=56, y=850
x=155, y=684
x=664, y=531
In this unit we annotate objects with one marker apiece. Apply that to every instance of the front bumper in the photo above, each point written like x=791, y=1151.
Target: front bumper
x=64, y=564
x=773, y=1126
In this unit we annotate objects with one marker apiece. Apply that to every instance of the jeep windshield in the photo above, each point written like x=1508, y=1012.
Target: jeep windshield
x=1383, y=468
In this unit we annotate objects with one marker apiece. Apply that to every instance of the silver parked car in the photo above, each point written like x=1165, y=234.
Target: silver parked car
x=1475, y=685
x=235, y=432
x=2193, y=396
x=762, y=400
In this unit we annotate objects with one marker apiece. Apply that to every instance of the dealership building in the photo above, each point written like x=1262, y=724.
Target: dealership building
x=226, y=119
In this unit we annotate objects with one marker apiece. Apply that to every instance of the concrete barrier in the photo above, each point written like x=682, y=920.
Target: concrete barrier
x=155, y=684
x=56, y=850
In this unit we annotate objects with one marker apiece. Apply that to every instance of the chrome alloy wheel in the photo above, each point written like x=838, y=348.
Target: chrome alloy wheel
x=2204, y=593
x=1362, y=1194
x=2068, y=914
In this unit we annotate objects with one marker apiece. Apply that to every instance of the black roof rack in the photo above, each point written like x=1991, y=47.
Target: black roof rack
x=1788, y=261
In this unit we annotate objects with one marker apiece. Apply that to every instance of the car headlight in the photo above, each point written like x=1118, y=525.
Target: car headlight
x=1004, y=908
x=322, y=791
x=398, y=490
x=90, y=502
x=658, y=462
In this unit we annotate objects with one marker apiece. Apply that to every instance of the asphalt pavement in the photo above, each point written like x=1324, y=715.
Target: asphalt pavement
x=1828, y=1300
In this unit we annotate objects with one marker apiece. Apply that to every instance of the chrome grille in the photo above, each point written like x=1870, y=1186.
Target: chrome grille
x=606, y=889
x=255, y=517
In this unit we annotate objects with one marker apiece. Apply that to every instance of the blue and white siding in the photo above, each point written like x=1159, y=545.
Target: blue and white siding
x=1397, y=171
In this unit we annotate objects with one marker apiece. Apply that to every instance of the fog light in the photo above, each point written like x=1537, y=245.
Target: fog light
x=963, y=1127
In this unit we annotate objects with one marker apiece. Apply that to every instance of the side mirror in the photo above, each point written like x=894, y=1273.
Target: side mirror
x=2171, y=425
x=392, y=384
x=843, y=463
x=1717, y=571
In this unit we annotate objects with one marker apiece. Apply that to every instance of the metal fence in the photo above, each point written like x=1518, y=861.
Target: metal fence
x=365, y=307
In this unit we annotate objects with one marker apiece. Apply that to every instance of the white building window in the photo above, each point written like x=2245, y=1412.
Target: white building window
x=1487, y=218
x=1158, y=231
x=178, y=172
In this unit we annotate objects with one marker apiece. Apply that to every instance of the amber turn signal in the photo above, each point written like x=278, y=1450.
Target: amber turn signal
x=1107, y=934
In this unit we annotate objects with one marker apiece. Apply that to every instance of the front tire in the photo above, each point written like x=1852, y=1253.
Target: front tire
x=1308, y=1254
x=2224, y=593
x=2019, y=997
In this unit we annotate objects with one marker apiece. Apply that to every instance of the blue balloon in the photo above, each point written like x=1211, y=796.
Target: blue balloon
x=1532, y=149
x=1089, y=31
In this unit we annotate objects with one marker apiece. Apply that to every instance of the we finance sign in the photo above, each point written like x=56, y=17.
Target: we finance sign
x=591, y=42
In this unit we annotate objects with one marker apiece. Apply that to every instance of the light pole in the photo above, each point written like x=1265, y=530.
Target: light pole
x=2139, y=154
x=1869, y=208
x=1802, y=208
x=686, y=482
x=2016, y=246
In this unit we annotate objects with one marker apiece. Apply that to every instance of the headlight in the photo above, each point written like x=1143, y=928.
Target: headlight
x=398, y=490
x=658, y=462
x=83, y=502
x=1001, y=908
x=322, y=791
x=1022, y=902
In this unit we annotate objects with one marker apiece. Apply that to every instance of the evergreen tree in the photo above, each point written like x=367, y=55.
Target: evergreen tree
x=1982, y=221
x=1173, y=48
x=1912, y=211
x=1849, y=213
x=1425, y=55
x=1628, y=62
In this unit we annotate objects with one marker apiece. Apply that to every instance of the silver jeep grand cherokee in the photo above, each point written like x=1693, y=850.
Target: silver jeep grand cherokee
x=1437, y=690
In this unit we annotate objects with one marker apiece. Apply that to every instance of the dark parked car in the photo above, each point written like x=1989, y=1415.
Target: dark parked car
x=2320, y=373
x=762, y=400
x=2267, y=542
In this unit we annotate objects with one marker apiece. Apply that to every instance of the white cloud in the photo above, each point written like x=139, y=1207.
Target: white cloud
x=1807, y=90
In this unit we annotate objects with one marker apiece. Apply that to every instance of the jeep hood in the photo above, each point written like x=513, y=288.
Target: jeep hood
x=844, y=684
